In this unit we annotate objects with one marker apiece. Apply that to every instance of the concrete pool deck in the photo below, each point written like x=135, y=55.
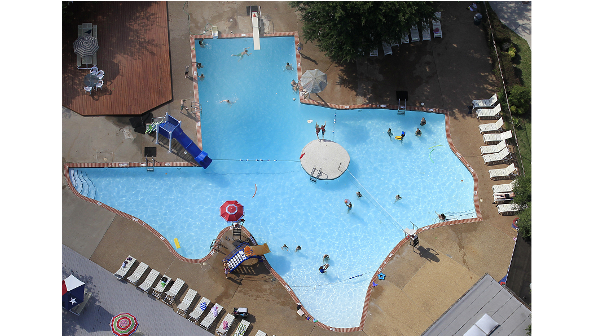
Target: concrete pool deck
x=420, y=283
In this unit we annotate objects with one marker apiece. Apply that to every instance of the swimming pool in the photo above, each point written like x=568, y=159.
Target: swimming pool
x=265, y=123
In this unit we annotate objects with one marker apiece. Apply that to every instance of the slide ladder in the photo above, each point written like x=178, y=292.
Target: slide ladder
x=235, y=258
x=171, y=128
x=243, y=253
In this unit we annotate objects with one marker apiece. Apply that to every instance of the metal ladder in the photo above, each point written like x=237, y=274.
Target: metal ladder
x=150, y=167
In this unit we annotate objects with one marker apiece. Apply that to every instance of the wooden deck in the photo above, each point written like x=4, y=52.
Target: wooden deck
x=134, y=54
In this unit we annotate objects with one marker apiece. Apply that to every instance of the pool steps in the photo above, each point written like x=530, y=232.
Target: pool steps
x=82, y=183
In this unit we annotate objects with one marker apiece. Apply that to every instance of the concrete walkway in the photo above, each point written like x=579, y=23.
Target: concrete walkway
x=111, y=297
x=516, y=15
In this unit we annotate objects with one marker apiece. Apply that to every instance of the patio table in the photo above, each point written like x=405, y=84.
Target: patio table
x=90, y=80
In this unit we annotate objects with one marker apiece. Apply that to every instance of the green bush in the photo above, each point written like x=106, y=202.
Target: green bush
x=520, y=100
x=512, y=52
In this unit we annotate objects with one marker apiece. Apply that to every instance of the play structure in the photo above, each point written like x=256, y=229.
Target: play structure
x=170, y=128
x=243, y=253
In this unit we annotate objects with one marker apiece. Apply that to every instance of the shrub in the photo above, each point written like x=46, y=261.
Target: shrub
x=512, y=52
x=520, y=100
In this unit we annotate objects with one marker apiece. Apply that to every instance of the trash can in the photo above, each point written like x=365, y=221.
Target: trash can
x=477, y=19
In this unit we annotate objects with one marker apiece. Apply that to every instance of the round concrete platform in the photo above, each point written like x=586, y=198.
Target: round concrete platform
x=324, y=159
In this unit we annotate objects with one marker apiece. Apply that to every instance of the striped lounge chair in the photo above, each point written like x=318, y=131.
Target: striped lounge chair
x=199, y=310
x=241, y=328
x=224, y=325
x=211, y=316
x=137, y=274
x=185, y=303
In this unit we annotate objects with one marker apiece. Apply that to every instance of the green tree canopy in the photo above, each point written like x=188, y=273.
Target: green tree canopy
x=522, y=197
x=346, y=30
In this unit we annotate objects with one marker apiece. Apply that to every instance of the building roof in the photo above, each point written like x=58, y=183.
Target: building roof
x=485, y=297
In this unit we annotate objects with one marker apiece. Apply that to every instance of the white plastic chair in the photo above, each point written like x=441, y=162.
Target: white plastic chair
x=88, y=89
x=99, y=85
x=94, y=70
x=100, y=74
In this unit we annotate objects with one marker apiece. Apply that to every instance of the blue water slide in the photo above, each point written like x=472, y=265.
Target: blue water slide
x=171, y=128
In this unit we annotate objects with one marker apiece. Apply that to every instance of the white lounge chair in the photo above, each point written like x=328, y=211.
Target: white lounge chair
x=494, y=138
x=425, y=32
x=211, y=316
x=503, y=173
x=200, y=308
x=437, y=25
x=241, y=328
x=260, y=333
x=404, y=38
x=485, y=103
x=387, y=49
x=502, y=156
x=185, y=303
x=225, y=325
x=503, y=188
x=414, y=34
x=508, y=209
x=374, y=52
x=395, y=44
x=137, y=274
x=493, y=148
x=125, y=266
x=145, y=286
x=492, y=127
x=493, y=113
x=159, y=289
x=173, y=291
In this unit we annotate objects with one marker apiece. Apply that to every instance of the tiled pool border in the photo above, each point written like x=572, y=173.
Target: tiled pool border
x=246, y=232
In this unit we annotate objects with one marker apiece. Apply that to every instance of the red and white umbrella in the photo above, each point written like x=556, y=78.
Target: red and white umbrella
x=123, y=324
x=232, y=211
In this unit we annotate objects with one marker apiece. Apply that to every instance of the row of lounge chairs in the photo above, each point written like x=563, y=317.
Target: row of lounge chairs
x=413, y=36
x=187, y=301
x=496, y=151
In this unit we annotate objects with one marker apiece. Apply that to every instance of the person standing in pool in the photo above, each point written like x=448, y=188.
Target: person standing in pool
x=389, y=132
x=323, y=130
x=284, y=247
x=418, y=132
x=288, y=66
x=323, y=268
x=298, y=248
x=317, y=129
x=423, y=122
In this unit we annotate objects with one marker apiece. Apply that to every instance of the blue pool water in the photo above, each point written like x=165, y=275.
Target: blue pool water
x=265, y=123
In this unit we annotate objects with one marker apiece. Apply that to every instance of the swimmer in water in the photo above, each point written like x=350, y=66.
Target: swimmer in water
x=241, y=55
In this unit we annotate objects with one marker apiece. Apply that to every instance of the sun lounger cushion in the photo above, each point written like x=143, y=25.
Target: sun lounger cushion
x=491, y=127
x=437, y=25
x=225, y=324
x=425, y=32
x=414, y=34
x=508, y=209
x=495, y=158
x=200, y=308
x=493, y=148
x=494, y=138
x=137, y=274
x=241, y=328
x=493, y=113
x=125, y=266
x=145, y=286
x=486, y=103
x=503, y=188
x=211, y=316
x=260, y=333
x=503, y=172
x=187, y=300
